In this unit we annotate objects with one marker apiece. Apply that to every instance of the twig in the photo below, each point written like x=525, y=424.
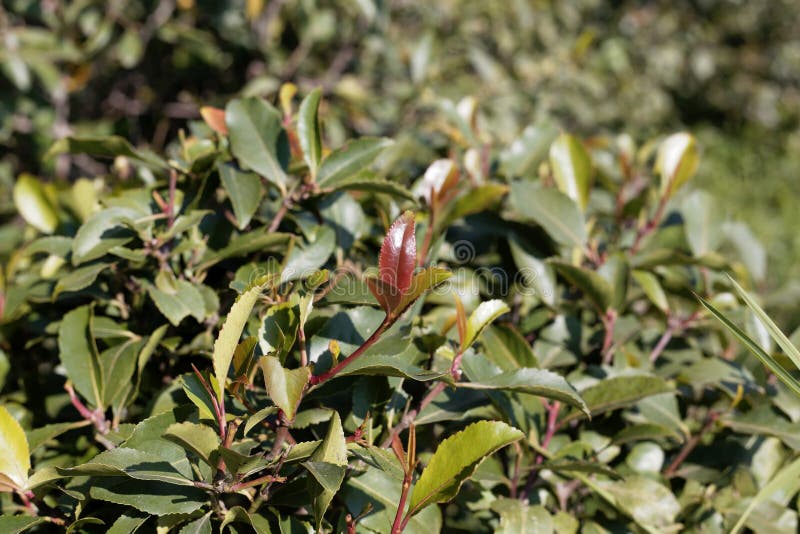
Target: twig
x=609, y=321
x=690, y=445
x=651, y=225
x=552, y=425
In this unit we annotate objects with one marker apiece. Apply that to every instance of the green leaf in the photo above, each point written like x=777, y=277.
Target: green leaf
x=482, y=317
x=456, y=459
x=349, y=160
x=370, y=182
x=652, y=289
x=278, y=330
x=327, y=467
x=231, y=332
x=376, y=488
x=15, y=524
x=80, y=278
x=505, y=347
x=15, y=461
x=258, y=240
x=308, y=131
x=117, y=366
x=555, y=212
x=133, y=463
x=198, y=395
x=538, y=382
x=180, y=302
x=786, y=482
x=33, y=204
x=258, y=139
x=284, y=386
x=197, y=438
x=103, y=231
x=616, y=270
x=676, y=161
x=39, y=436
x=384, y=365
x=702, y=223
x=78, y=355
x=149, y=496
x=244, y=191
x=519, y=517
x=593, y=285
x=572, y=168
x=107, y=146
x=237, y=514
x=201, y=525
x=535, y=273
x=649, y=503
x=770, y=362
x=476, y=200
x=618, y=392
x=129, y=522
x=302, y=262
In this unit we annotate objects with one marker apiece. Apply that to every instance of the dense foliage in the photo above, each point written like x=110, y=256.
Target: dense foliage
x=460, y=277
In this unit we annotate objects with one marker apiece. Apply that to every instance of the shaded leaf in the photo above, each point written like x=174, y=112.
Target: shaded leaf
x=618, y=392
x=244, y=191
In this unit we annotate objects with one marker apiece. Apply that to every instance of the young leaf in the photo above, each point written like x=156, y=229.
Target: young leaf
x=398, y=256
x=258, y=139
x=456, y=459
x=231, y=331
x=427, y=279
x=308, y=130
x=215, y=119
x=572, y=168
x=439, y=182
x=284, y=386
x=15, y=461
x=349, y=160
x=482, y=317
x=676, y=161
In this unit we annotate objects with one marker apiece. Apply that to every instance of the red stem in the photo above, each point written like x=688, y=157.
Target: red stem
x=400, y=523
x=319, y=379
x=651, y=225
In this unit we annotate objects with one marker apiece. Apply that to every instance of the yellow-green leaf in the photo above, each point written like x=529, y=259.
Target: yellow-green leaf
x=456, y=459
x=15, y=458
x=32, y=203
x=572, y=168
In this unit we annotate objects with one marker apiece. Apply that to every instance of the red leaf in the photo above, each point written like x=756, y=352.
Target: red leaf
x=387, y=295
x=215, y=118
x=398, y=256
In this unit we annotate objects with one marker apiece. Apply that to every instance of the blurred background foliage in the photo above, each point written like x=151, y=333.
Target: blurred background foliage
x=727, y=70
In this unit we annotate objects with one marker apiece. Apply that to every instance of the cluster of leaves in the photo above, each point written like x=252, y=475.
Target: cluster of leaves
x=242, y=333
x=140, y=68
